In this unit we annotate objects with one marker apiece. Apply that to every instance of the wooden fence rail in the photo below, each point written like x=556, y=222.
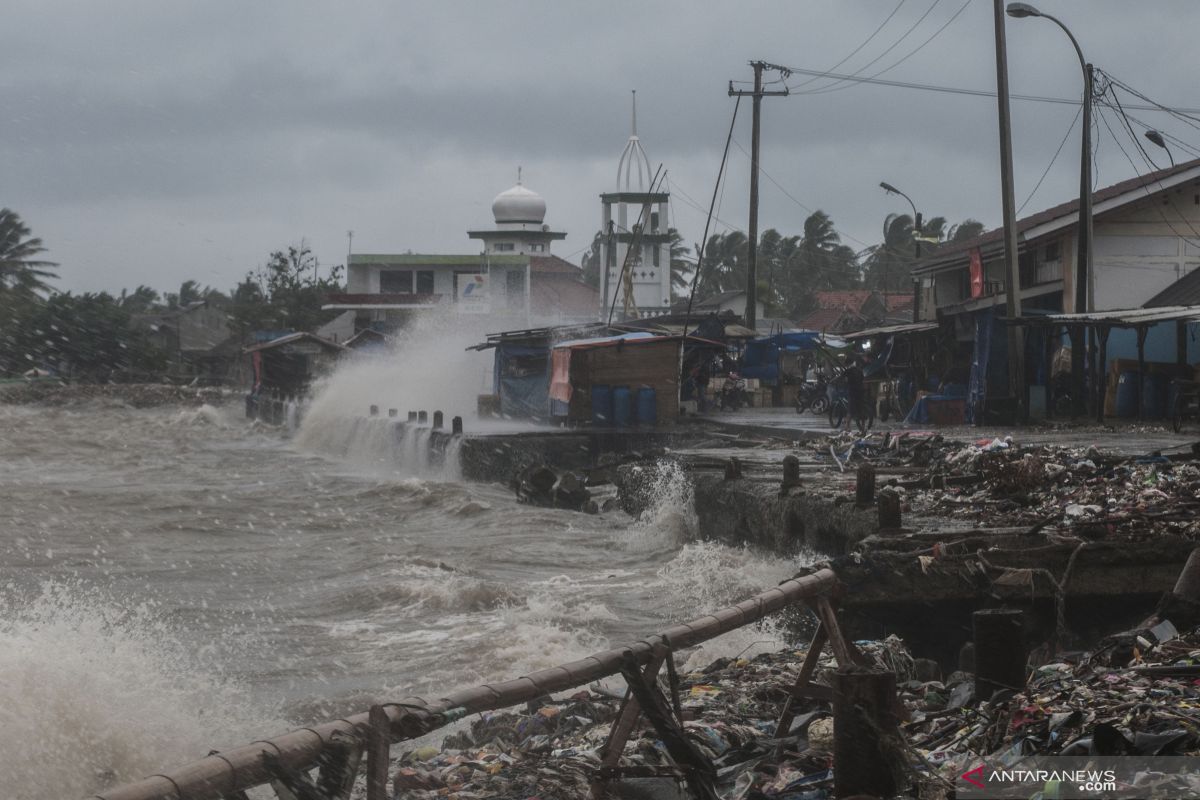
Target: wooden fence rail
x=229, y=774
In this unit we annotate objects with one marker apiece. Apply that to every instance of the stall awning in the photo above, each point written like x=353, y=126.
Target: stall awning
x=1117, y=318
x=891, y=330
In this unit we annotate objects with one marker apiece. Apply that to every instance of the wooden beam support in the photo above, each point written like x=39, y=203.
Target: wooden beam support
x=811, y=659
x=678, y=745
x=379, y=748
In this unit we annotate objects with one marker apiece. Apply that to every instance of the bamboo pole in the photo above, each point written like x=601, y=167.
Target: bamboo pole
x=223, y=774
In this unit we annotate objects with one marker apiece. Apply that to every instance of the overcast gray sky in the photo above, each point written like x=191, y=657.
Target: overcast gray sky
x=151, y=142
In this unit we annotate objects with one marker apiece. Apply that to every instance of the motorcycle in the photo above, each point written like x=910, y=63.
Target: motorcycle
x=733, y=393
x=811, y=394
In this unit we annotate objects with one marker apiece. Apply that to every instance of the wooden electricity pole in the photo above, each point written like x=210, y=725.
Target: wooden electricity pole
x=758, y=94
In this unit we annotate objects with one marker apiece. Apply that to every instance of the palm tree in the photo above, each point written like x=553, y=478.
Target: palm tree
x=889, y=262
x=19, y=270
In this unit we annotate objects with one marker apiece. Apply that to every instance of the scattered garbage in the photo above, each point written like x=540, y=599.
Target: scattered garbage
x=1088, y=704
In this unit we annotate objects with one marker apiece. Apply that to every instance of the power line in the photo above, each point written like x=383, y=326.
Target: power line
x=910, y=54
x=865, y=42
x=892, y=47
x=791, y=197
x=928, y=87
x=1046, y=172
x=1145, y=187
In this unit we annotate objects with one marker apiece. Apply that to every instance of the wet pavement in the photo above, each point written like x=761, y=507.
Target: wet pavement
x=1118, y=437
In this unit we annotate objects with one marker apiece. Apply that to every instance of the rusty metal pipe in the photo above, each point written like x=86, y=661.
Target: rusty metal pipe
x=242, y=768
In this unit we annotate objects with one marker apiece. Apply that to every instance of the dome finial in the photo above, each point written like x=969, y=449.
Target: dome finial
x=634, y=112
x=518, y=174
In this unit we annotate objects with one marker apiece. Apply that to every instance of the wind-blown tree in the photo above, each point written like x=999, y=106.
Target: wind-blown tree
x=818, y=261
x=724, y=265
x=285, y=294
x=889, y=264
x=20, y=269
x=965, y=230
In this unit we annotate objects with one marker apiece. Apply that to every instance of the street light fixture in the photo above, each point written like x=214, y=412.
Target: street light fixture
x=1157, y=138
x=1084, y=290
x=1083, y=272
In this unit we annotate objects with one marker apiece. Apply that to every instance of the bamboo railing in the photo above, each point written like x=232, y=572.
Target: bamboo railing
x=228, y=774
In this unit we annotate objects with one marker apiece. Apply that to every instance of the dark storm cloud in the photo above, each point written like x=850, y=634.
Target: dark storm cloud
x=171, y=139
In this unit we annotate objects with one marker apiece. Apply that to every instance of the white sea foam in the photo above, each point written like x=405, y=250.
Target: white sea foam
x=669, y=519
x=93, y=694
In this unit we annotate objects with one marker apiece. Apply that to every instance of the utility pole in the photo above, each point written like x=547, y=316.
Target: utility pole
x=1016, y=344
x=752, y=251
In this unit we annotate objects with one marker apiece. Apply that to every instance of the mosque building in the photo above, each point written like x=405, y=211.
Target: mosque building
x=515, y=277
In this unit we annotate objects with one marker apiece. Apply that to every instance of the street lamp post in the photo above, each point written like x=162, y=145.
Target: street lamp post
x=1085, y=296
x=1157, y=138
x=887, y=187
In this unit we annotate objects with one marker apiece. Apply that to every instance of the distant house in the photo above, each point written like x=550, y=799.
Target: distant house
x=198, y=341
x=286, y=366
x=733, y=301
x=516, y=278
x=857, y=309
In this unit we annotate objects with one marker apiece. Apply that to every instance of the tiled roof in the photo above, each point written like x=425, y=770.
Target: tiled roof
x=555, y=292
x=553, y=264
x=823, y=319
x=383, y=299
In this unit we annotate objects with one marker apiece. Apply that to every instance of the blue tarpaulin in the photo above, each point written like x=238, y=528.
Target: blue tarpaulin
x=978, y=386
x=522, y=379
x=761, y=358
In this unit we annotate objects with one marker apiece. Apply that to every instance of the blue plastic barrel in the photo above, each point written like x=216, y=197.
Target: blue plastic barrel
x=647, y=407
x=622, y=400
x=1127, y=394
x=602, y=405
x=1154, y=395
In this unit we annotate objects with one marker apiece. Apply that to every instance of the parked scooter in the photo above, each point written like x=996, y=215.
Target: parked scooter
x=733, y=394
x=812, y=394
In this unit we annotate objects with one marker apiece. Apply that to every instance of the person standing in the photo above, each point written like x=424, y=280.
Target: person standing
x=856, y=396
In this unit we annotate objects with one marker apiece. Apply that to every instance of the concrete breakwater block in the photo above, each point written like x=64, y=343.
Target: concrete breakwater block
x=743, y=511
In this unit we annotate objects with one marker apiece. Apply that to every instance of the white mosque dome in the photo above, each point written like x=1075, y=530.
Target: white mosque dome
x=519, y=204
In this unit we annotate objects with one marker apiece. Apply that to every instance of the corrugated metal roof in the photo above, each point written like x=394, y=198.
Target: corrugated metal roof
x=888, y=330
x=1120, y=317
x=1183, y=292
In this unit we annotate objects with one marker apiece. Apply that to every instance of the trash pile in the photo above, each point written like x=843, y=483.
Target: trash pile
x=994, y=480
x=1136, y=695
x=730, y=710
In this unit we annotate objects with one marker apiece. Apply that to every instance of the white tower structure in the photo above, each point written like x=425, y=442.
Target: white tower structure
x=518, y=213
x=635, y=218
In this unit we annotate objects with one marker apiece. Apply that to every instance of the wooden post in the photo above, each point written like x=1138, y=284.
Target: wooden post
x=422, y=416
x=374, y=411
x=412, y=416
x=791, y=472
x=1141, y=345
x=1101, y=380
x=437, y=420
x=456, y=426
x=864, y=730
x=864, y=487
x=889, y=510
x=999, y=651
x=393, y=412
x=1051, y=336
x=1181, y=346
x=379, y=745
x=1187, y=585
